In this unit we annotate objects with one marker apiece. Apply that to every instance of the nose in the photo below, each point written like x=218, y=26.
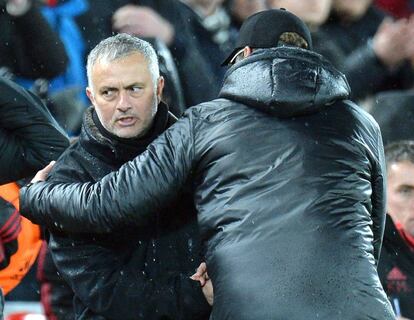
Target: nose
x=124, y=104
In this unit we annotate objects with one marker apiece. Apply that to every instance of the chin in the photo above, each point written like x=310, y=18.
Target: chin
x=128, y=134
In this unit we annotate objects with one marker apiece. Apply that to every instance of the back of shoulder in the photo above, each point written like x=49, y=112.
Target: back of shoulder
x=360, y=116
x=217, y=108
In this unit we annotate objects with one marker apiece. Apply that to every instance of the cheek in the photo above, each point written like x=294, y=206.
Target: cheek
x=144, y=106
x=401, y=208
x=395, y=204
x=105, y=112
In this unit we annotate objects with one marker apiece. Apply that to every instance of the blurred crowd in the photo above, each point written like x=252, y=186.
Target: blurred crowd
x=44, y=46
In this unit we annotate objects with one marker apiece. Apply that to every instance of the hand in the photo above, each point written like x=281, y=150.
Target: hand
x=393, y=41
x=41, y=175
x=143, y=22
x=201, y=276
x=401, y=318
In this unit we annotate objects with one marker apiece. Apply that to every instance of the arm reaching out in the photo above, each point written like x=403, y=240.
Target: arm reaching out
x=125, y=197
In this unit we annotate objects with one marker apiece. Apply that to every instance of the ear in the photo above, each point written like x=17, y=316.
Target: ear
x=90, y=95
x=160, y=88
x=247, y=51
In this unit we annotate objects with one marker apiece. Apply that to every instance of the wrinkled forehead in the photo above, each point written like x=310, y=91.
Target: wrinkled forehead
x=129, y=69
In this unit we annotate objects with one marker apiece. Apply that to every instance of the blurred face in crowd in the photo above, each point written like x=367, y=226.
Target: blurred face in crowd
x=124, y=95
x=351, y=9
x=241, y=9
x=313, y=12
x=400, y=193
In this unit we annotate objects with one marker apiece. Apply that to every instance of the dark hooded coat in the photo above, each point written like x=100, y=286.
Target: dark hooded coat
x=136, y=273
x=289, y=188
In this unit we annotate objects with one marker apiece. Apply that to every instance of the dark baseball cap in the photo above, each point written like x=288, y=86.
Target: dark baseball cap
x=263, y=29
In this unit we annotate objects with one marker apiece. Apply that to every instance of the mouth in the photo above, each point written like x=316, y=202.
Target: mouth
x=126, y=121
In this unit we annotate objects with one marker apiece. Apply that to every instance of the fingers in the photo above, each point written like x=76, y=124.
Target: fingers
x=202, y=268
x=201, y=274
x=41, y=175
x=208, y=292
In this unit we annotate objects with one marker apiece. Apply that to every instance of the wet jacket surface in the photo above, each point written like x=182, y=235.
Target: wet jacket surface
x=289, y=190
x=29, y=136
x=132, y=273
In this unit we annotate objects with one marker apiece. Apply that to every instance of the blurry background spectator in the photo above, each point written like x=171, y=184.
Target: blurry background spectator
x=377, y=50
x=169, y=21
x=241, y=9
x=64, y=94
x=28, y=45
x=397, y=8
x=396, y=266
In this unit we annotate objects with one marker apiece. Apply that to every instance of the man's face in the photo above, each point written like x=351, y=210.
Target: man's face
x=400, y=193
x=124, y=96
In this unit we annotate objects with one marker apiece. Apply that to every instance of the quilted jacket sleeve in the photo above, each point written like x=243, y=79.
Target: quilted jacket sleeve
x=125, y=197
x=29, y=136
x=378, y=199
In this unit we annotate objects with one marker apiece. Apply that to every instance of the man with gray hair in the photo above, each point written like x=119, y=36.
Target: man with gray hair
x=131, y=273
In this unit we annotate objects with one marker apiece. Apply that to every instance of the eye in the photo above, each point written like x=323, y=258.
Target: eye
x=108, y=93
x=406, y=190
x=136, y=89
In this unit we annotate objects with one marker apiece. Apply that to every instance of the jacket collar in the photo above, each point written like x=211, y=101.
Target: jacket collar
x=115, y=150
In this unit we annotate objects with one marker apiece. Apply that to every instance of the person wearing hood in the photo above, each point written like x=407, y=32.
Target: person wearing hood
x=288, y=180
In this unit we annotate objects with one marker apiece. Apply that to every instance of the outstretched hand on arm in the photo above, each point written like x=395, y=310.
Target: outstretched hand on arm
x=202, y=277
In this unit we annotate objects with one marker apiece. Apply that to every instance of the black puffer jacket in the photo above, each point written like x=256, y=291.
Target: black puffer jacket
x=291, y=207
x=29, y=136
x=136, y=273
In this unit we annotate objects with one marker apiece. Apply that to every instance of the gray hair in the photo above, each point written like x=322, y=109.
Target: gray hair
x=399, y=151
x=119, y=46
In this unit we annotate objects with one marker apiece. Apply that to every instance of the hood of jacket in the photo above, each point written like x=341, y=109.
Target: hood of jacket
x=285, y=82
